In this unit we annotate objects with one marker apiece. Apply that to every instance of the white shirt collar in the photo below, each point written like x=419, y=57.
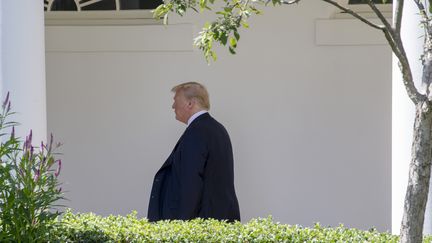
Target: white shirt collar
x=194, y=116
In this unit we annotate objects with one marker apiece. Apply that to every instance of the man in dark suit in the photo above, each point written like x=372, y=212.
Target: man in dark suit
x=197, y=179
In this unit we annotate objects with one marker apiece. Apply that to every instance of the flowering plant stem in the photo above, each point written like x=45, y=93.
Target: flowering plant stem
x=29, y=184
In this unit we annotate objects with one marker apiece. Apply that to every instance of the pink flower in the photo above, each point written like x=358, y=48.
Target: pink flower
x=31, y=153
x=51, y=141
x=28, y=141
x=30, y=137
x=36, y=177
x=57, y=173
x=13, y=132
x=6, y=101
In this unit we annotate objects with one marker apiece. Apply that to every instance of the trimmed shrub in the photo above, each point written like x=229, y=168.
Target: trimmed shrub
x=92, y=228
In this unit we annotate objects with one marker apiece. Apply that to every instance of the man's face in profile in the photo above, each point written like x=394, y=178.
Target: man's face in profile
x=181, y=107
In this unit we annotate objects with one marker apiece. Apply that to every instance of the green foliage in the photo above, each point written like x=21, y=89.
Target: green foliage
x=224, y=30
x=28, y=184
x=92, y=228
x=430, y=6
x=231, y=17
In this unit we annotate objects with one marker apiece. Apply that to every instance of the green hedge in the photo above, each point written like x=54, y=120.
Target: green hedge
x=92, y=228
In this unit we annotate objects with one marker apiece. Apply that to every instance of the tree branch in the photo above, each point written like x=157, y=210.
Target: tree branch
x=380, y=16
x=395, y=42
x=423, y=12
x=358, y=16
x=426, y=57
x=407, y=78
x=397, y=20
x=394, y=36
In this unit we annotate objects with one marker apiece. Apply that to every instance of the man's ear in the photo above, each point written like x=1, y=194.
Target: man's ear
x=191, y=103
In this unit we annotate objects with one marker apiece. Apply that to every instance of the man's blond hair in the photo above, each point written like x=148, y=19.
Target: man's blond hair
x=194, y=90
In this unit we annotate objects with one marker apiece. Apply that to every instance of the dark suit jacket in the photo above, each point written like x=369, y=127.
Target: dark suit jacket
x=197, y=179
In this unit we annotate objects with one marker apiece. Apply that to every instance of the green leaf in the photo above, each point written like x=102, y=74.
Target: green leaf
x=231, y=50
x=255, y=10
x=213, y=54
x=162, y=10
x=236, y=35
x=203, y=4
x=216, y=33
x=233, y=42
x=223, y=38
x=244, y=24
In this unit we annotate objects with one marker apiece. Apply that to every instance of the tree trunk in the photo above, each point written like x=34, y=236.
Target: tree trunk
x=419, y=176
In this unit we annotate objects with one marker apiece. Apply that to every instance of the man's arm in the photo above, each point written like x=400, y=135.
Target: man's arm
x=189, y=170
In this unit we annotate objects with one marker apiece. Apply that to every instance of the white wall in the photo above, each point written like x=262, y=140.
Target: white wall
x=310, y=124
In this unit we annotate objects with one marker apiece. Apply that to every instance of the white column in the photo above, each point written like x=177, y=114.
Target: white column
x=23, y=64
x=403, y=112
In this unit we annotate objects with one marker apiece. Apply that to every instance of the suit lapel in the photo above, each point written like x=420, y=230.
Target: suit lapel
x=169, y=161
